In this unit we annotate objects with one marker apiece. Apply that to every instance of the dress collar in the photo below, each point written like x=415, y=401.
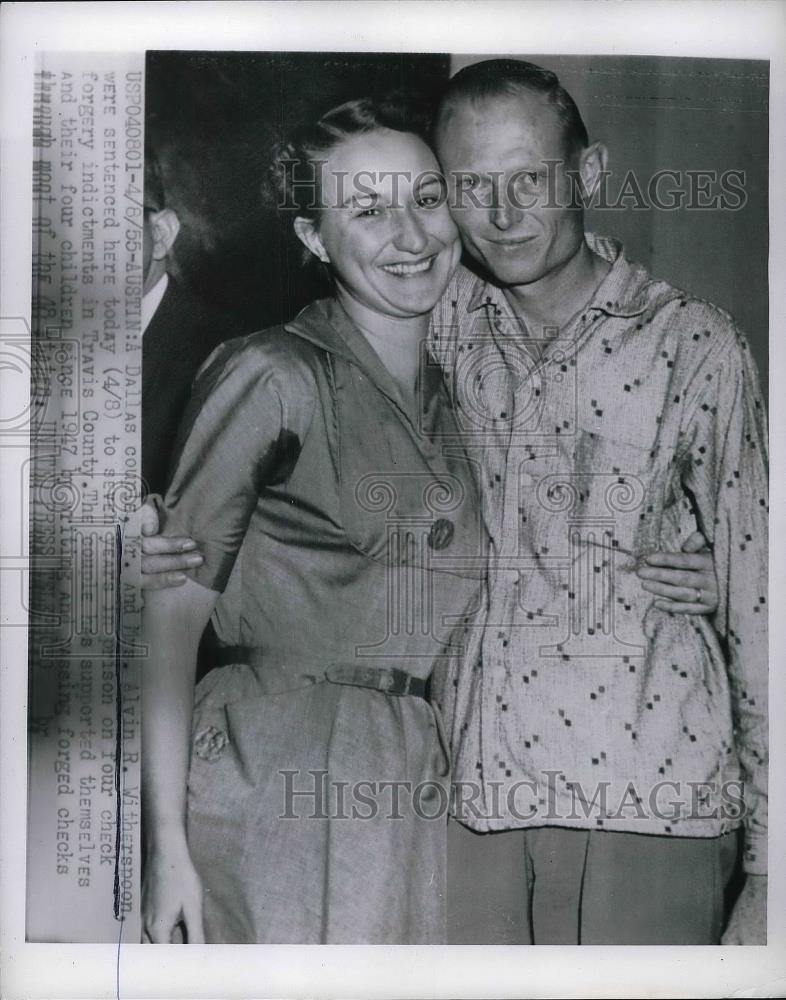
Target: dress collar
x=326, y=324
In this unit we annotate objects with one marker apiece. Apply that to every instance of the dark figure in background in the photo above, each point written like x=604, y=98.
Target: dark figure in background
x=179, y=331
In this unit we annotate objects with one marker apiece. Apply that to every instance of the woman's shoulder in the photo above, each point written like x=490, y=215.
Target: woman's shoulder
x=275, y=344
x=271, y=354
x=264, y=377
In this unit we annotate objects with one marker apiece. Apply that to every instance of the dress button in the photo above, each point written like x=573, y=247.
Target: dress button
x=210, y=743
x=441, y=534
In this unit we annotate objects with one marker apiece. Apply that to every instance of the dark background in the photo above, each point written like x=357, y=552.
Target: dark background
x=214, y=119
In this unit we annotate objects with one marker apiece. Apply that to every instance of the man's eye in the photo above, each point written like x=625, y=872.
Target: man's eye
x=369, y=213
x=429, y=200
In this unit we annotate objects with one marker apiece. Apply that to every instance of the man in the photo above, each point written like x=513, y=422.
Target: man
x=178, y=332
x=613, y=415
x=540, y=422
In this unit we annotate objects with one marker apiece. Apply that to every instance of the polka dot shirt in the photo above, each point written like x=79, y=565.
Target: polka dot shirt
x=617, y=436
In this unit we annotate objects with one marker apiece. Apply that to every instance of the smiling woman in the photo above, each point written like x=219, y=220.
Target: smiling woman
x=339, y=543
x=381, y=225
x=385, y=226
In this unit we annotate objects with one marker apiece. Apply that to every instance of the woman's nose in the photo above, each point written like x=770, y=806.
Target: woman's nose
x=410, y=234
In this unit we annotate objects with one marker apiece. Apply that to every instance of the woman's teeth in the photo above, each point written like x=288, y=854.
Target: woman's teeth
x=404, y=270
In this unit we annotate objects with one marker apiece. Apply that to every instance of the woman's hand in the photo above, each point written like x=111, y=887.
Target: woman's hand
x=171, y=895
x=684, y=582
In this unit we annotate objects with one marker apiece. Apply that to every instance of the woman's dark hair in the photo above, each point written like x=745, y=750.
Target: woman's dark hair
x=294, y=174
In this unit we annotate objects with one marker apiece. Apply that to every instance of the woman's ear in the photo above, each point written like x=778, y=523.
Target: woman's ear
x=308, y=235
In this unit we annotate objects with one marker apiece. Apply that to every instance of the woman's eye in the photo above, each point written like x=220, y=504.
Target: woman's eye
x=428, y=200
x=369, y=213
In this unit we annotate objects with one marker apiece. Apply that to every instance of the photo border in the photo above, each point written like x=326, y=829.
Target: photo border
x=672, y=28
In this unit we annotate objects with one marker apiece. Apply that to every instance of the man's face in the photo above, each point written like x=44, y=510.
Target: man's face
x=511, y=207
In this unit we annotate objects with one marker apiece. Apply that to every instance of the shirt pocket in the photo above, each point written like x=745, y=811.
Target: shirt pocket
x=612, y=486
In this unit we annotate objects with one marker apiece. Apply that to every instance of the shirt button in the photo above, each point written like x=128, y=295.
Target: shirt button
x=428, y=791
x=428, y=447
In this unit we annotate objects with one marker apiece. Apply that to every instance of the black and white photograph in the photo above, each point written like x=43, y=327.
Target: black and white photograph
x=387, y=535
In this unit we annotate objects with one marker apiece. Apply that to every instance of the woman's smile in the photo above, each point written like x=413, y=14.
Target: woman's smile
x=409, y=269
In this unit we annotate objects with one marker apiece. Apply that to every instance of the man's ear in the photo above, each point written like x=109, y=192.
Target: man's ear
x=309, y=236
x=164, y=226
x=592, y=166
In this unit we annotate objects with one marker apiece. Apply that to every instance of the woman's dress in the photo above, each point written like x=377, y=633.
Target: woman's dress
x=343, y=532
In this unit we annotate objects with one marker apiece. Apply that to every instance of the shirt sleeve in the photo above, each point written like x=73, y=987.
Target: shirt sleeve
x=726, y=471
x=248, y=416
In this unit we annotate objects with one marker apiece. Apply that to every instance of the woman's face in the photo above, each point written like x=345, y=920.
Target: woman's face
x=386, y=230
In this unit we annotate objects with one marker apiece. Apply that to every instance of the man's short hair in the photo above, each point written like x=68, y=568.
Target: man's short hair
x=502, y=77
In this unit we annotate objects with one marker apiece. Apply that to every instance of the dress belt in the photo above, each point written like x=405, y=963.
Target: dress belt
x=389, y=680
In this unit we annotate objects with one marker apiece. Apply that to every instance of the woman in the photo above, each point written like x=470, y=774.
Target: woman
x=339, y=545
x=342, y=549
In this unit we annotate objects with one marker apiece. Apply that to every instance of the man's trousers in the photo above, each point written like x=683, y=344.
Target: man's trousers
x=551, y=885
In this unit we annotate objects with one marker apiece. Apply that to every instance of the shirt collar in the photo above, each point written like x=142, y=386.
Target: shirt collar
x=623, y=292
x=152, y=300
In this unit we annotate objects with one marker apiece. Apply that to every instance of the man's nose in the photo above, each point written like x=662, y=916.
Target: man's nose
x=410, y=235
x=503, y=215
